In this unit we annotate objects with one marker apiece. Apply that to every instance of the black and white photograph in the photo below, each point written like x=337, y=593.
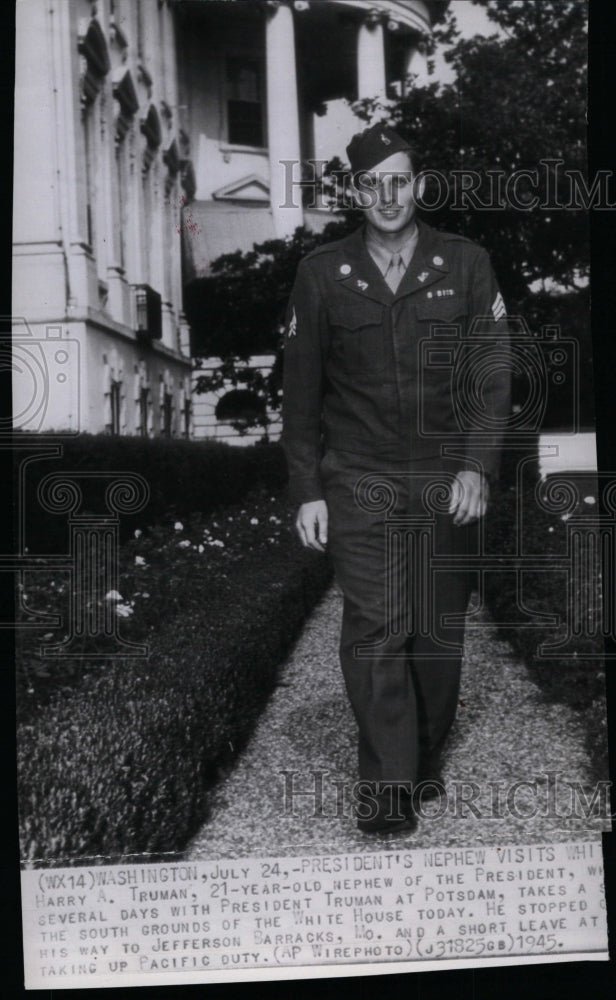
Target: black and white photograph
x=315, y=565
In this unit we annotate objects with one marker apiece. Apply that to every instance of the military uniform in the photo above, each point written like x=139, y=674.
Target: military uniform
x=364, y=395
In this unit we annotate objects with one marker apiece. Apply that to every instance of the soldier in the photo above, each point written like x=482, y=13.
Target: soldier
x=373, y=432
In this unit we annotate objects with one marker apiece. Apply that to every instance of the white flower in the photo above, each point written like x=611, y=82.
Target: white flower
x=590, y=500
x=138, y=532
x=565, y=517
x=551, y=528
x=271, y=539
x=276, y=520
x=200, y=548
x=178, y=526
x=217, y=542
x=254, y=520
x=140, y=561
x=113, y=595
x=185, y=544
x=145, y=594
x=123, y=610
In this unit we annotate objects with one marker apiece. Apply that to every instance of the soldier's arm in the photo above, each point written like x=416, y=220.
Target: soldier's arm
x=486, y=387
x=303, y=379
x=489, y=376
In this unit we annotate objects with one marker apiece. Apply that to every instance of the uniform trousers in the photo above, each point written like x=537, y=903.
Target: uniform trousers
x=399, y=653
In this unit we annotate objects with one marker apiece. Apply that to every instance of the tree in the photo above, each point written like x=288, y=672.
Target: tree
x=238, y=312
x=518, y=104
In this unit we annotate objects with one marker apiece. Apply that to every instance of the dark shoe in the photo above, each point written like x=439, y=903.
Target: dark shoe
x=429, y=784
x=388, y=808
x=383, y=825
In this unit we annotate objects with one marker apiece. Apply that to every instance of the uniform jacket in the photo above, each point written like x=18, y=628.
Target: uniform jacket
x=395, y=376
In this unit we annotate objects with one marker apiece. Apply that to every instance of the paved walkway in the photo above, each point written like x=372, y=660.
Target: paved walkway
x=505, y=732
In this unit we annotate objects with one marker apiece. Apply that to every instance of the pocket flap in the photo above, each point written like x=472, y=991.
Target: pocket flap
x=445, y=307
x=354, y=315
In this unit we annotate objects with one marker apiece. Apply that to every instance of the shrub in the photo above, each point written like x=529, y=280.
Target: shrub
x=184, y=477
x=116, y=757
x=576, y=679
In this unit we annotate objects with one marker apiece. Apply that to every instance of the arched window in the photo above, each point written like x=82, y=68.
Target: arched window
x=125, y=94
x=94, y=66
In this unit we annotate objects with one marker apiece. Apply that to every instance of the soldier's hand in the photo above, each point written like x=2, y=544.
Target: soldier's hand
x=311, y=524
x=469, y=497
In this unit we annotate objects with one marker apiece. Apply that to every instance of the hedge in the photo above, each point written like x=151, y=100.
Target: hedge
x=577, y=679
x=117, y=758
x=183, y=476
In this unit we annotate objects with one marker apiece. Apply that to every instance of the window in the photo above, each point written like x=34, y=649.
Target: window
x=144, y=401
x=121, y=186
x=187, y=415
x=115, y=403
x=244, y=102
x=167, y=414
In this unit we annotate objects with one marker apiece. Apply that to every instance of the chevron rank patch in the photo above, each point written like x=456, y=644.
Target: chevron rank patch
x=292, y=325
x=498, y=307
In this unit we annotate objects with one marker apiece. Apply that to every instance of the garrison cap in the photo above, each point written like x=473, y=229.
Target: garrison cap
x=374, y=144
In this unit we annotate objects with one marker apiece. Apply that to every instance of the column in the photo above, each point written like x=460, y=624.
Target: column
x=93, y=560
x=371, y=80
x=283, y=120
x=416, y=66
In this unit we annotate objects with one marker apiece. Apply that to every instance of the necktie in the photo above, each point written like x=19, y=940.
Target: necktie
x=395, y=271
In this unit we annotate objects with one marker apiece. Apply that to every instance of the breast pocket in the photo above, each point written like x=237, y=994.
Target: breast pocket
x=450, y=310
x=359, y=338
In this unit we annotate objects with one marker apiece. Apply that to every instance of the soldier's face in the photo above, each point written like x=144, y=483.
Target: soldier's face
x=386, y=193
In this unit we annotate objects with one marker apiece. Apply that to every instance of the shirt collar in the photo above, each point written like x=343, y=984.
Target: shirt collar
x=382, y=255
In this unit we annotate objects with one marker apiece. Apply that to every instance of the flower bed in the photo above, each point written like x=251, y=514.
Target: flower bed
x=116, y=757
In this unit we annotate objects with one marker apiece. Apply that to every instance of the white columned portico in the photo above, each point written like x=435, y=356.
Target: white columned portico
x=283, y=119
x=371, y=79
